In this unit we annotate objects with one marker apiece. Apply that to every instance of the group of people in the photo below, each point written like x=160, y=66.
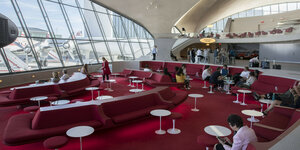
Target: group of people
x=243, y=79
x=197, y=55
x=179, y=76
x=223, y=56
x=84, y=70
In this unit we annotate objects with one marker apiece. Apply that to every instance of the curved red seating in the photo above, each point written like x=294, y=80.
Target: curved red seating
x=55, y=142
x=27, y=128
x=75, y=87
x=207, y=140
x=175, y=97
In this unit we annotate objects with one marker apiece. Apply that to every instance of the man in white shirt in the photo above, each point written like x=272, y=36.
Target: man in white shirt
x=206, y=73
x=65, y=76
x=245, y=73
x=154, y=52
x=205, y=55
x=199, y=55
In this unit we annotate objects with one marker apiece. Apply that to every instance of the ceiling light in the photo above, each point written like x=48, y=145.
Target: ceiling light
x=208, y=40
x=210, y=26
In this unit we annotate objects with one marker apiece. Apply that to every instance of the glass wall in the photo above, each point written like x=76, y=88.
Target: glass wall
x=60, y=33
x=218, y=26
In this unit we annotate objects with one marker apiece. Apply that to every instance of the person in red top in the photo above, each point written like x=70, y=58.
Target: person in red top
x=105, y=69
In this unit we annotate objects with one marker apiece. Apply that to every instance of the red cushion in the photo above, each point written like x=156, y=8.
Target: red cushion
x=31, y=108
x=167, y=94
x=207, y=140
x=55, y=142
x=276, y=120
x=60, y=117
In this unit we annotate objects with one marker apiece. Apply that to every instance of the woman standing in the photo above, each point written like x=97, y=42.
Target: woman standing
x=105, y=69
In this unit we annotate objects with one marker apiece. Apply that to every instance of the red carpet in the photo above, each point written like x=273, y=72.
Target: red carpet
x=214, y=110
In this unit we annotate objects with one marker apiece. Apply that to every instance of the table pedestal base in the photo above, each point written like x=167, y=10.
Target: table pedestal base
x=195, y=109
x=244, y=104
x=173, y=131
x=160, y=131
x=236, y=101
x=252, y=119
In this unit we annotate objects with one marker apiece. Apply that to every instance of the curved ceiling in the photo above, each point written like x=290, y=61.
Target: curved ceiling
x=159, y=16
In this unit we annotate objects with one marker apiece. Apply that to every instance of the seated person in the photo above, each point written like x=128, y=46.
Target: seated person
x=55, y=78
x=249, y=81
x=289, y=99
x=224, y=71
x=65, y=76
x=180, y=78
x=166, y=72
x=243, y=135
x=147, y=68
x=183, y=69
x=242, y=77
x=206, y=73
x=216, y=78
x=174, y=73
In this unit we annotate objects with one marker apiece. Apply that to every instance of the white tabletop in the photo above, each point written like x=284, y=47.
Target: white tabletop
x=80, y=131
x=60, y=102
x=91, y=88
x=135, y=90
x=133, y=77
x=115, y=74
x=229, y=81
x=160, y=112
x=97, y=76
x=252, y=113
x=266, y=101
x=39, y=98
x=104, y=97
x=189, y=79
x=137, y=81
x=111, y=80
x=196, y=95
x=244, y=91
x=216, y=130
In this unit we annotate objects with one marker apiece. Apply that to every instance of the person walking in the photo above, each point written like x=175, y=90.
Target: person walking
x=154, y=52
x=105, y=69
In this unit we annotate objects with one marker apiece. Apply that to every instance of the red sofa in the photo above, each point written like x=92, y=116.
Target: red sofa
x=141, y=74
x=175, y=97
x=26, y=128
x=158, y=79
x=121, y=110
x=75, y=87
x=125, y=73
x=277, y=121
x=153, y=65
x=193, y=69
x=22, y=95
x=171, y=66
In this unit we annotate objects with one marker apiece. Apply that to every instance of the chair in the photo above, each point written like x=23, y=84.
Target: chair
x=55, y=142
x=174, y=116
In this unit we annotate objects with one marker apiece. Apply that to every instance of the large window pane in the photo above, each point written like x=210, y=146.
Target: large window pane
x=292, y=6
x=274, y=9
x=3, y=68
x=20, y=56
x=126, y=50
x=258, y=11
x=242, y=14
x=102, y=50
x=250, y=13
x=68, y=52
x=76, y=21
x=115, y=51
x=266, y=10
x=87, y=54
x=282, y=7
x=33, y=18
x=57, y=20
x=8, y=11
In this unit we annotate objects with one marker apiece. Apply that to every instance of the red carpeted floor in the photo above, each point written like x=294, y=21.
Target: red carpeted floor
x=140, y=135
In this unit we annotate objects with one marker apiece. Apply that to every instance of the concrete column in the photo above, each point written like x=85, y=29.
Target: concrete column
x=164, y=46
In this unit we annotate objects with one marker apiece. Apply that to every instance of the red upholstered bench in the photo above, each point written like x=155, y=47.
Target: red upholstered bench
x=158, y=79
x=31, y=109
x=135, y=106
x=276, y=122
x=55, y=142
x=175, y=97
x=125, y=73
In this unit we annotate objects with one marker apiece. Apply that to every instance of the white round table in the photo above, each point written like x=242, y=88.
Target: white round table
x=131, y=78
x=60, y=102
x=244, y=92
x=228, y=83
x=103, y=97
x=92, y=89
x=79, y=132
x=216, y=130
x=137, y=83
x=160, y=113
x=97, y=76
x=195, y=96
x=252, y=113
x=39, y=98
x=266, y=101
x=108, y=82
x=135, y=90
